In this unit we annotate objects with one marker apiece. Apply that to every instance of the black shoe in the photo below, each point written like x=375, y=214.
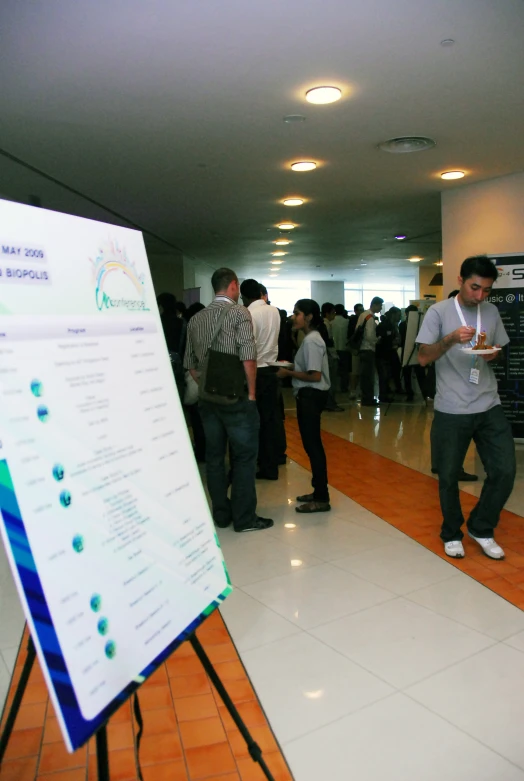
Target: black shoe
x=258, y=525
x=373, y=403
x=434, y=471
x=306, y=498
x=282, y=460
x=222, y=525
x=265, y=476
x=465, y=477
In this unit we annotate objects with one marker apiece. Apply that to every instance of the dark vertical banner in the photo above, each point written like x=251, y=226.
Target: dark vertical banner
x=508, y=296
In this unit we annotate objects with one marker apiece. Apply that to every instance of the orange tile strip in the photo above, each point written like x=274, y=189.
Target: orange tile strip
x=408, y=500
x=188, y=734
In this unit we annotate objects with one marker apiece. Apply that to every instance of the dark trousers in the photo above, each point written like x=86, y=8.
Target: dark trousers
x=310, y=404
x=451, y=436
x=384, y=376
x=367, y=375
x=344, y=365
x=267, y=404
x=420, y=374
x=281, y=438
x=199, y=437
x=239, y=424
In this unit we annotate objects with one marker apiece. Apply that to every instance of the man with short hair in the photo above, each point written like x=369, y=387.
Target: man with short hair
x=328, y=315
x=237, y=423
x=467, y=406
x=355, y=361
x=266, y=329
x=367, y=352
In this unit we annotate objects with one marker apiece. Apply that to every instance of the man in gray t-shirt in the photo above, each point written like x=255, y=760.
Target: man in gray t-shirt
x=467, y=406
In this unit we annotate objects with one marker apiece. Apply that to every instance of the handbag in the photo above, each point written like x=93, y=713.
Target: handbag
x=222, y=378
x=191, y=390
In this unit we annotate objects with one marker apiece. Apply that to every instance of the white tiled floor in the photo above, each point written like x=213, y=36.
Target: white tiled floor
x=380, y=660
x=373, y=658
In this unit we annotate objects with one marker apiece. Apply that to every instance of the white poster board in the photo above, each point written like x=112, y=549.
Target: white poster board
x=102, y=510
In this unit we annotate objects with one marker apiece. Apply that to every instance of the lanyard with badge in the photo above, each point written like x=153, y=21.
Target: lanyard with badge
x=474, y=374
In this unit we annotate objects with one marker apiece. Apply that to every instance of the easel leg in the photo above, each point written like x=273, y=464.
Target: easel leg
x=102, y=754
x=253, y=748
x=17, y=700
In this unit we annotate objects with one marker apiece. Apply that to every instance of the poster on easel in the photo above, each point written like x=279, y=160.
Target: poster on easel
x=102, y=510
x=508, y=296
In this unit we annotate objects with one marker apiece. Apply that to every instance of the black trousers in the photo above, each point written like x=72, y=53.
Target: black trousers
x=344, y=366
x=367, y=375
x=270, y=421
x=310, y=404
x=451, y=436
x=420, y=374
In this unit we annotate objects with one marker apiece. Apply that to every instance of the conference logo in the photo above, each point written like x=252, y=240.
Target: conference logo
x=118, y=283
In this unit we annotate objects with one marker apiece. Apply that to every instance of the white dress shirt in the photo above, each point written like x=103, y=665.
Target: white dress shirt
x=266, y=327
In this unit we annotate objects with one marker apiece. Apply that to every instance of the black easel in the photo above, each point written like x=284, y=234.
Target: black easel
x=102, y=753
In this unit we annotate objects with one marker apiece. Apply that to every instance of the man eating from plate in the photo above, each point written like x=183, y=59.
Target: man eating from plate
x=467, y=405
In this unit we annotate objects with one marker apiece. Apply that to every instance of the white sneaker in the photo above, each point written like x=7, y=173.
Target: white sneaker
x=455, y=549
x=489, y=546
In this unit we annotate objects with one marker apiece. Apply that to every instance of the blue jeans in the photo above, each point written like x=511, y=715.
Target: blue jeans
x=450, y=438
x=239, y=424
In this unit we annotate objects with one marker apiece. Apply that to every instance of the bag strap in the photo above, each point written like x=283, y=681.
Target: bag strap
x=219, y=324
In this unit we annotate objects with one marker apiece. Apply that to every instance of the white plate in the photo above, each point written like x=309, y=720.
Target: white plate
x=471, y=351
x=282, y=364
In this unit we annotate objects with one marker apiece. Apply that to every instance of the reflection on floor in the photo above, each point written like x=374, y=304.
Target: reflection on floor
x=372, y=656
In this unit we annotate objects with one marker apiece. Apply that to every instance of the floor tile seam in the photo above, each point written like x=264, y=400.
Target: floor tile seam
x=289, y=743
x=362, y=577
x=324, y=624
x=463, y=731
x=295, y=571
x=505, y=642
x=456, y=621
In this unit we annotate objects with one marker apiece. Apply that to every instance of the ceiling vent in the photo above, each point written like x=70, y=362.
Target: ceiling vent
x=406, y=144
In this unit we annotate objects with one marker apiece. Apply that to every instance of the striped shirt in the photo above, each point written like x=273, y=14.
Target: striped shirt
x=234, y=338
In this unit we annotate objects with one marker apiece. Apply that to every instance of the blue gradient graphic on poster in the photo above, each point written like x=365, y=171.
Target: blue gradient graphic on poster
x=103, y=515
x=508, y=296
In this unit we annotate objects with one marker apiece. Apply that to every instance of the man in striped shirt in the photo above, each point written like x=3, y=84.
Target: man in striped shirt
x=237, y=423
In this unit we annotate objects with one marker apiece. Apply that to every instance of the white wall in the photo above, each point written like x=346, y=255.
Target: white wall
x=322, y=292
x=485, y=218
x=198, y=274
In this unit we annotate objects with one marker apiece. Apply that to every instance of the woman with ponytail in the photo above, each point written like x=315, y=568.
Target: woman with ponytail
x=310, y=380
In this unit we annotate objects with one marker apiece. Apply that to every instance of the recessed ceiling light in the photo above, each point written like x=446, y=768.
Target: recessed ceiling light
x=439, y=263
x=406, y=144
x=273, y=275
x=321, y=95
x=276, y=262
x=304, y=165
x=282, y=242
x=400, y=237
x=453, y=175
x=293, y=201
x=415, y=259
x=286, y=226
x=279, y=253
x=363, y=264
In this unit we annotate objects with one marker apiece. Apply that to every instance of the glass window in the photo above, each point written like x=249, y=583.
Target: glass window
x=285, y=293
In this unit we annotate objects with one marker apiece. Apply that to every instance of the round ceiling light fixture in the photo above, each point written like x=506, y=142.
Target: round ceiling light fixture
x=406, y=144
x=276, y=262
x=453, y=175
x=282, y=242
x=400, y=237
x=303, y=165
x=323, y=95
x=279, y=253
x=273, y=275
x=439, y=263
x=293, y=201
x=415, y=259
x=286, y=226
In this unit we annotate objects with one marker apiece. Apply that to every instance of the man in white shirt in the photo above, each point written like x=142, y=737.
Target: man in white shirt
x=266, y=328
x=367, y=352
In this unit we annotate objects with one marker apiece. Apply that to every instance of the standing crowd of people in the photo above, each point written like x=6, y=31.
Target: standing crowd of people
x=235, y=357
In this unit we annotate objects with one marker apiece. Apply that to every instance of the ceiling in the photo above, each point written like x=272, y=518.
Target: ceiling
x=171, y=112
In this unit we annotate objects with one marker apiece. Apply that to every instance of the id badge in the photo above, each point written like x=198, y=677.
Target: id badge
x=474, y=376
